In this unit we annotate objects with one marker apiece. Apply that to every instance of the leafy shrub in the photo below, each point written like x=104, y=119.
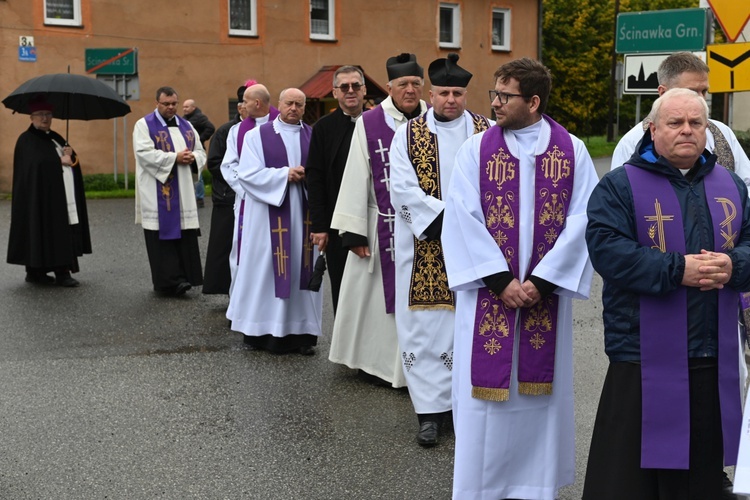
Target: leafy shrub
x=106, y=182
x=744, y=139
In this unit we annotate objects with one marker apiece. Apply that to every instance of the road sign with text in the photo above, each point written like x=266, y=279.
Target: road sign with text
x=661, y=31
x=729, y=67
x=111, y=61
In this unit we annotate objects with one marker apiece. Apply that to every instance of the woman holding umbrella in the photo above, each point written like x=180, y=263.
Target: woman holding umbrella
x=49, y=226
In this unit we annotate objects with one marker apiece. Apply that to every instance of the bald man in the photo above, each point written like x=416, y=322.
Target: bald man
x=270, y=303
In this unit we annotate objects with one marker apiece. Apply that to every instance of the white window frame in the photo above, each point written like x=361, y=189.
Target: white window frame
x=455, y=9
x=331, y=35
x=76, y=21
x=253, y=31
x=505, y=46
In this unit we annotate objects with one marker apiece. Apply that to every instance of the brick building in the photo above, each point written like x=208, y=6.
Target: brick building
x=205, y=50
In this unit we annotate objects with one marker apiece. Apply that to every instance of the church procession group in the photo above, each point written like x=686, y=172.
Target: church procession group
x=454, y=245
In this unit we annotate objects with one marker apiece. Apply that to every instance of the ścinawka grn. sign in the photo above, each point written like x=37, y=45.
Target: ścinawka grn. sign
x=661, y=31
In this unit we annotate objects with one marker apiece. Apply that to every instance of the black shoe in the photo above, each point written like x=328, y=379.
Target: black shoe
x=66, y=280
x=307, y=350
x=39, y=278
x=181, y=288
x=200, y=202
x=727, y=488
x=428, y=433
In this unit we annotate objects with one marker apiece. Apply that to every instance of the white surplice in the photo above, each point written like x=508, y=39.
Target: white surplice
x=524, y=447
x=425, y=336
x=228, y=167
x=153, y=164
x=364, y=335
x=253, y=307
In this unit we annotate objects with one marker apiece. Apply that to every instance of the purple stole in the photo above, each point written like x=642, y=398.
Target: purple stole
x=428, y=288
x=168, y=194
x=379, y=136
x=280, y=218
x=494, y=324
x=246, y=126
x=665, y=438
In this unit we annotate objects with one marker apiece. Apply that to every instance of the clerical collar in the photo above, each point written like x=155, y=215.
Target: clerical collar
x=446, y=124
x=172, y=122
x=352, y=117
x=289, y=126
x=441, y=118
x=414, y=114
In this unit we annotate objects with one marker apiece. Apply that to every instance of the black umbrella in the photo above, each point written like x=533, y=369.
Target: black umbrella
x=74, y=97
x=317, y=275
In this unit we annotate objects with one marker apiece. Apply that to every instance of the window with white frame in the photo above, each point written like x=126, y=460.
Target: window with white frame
x=243, y=18
x=62, y=12
x=450, y=25
x=321, y=20
x=500, y=29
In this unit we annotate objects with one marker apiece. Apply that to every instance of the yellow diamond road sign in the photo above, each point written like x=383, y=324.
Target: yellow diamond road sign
x=732, y=16
x=729, y=67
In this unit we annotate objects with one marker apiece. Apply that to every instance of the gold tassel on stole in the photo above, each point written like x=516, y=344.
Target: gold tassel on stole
x=490, y=393
x=535, y=388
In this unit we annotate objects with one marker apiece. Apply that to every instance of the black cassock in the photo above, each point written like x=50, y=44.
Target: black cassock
x=217, y=277
x=329, y=149
x=40, y=236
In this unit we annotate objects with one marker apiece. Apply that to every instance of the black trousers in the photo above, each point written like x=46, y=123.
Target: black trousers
x=217, y=277
x=174, y=261
x=336, y=256
x=614, y=471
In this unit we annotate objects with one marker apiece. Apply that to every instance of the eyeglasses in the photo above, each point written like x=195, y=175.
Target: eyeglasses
x=344, y=87
x=168, y=104
x=42, y=114
x=503, y=97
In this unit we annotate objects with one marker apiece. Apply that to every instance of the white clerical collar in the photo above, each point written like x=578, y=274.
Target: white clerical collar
x=352, y=117
x=262, y=119
x=458, y=122
x=527, y=137
x=288, y=126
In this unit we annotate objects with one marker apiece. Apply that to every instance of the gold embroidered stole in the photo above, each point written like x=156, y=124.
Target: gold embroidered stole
x=428, y=287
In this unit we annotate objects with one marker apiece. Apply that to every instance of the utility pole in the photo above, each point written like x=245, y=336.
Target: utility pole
x=613, y=80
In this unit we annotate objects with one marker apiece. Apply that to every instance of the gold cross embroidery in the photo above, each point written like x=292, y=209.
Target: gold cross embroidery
x=659, y=218
x=279, y=253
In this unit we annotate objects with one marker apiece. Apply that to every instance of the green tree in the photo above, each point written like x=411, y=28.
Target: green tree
x=577, y=42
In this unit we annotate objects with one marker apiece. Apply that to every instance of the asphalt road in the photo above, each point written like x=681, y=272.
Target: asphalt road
x=112, y=392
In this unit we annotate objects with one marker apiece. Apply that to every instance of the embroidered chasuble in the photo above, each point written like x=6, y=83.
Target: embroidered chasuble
x=665, y=438
x=495, y=325
x=379, y=137
x=428, y=288
x=168, y=193
x=280, y=217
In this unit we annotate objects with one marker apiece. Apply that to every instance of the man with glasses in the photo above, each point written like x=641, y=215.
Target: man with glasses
x=364, y=333
x=166, y=147
x=329, y=148
x=422, y=160
x=49, y=227
x=513, y=236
